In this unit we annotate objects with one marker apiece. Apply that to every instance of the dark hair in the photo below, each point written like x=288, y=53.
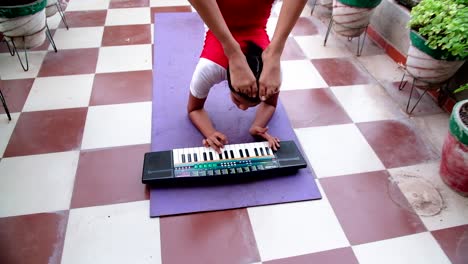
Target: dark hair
x=253, y=55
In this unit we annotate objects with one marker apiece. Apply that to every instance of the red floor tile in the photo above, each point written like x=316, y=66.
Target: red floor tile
x=304, y=27
x=292, y=51
x=365, y=210
x=36, y=238
x=15, y=92
x=122, y=87
x=216, y=237
x=126, y=35
x=454, y=242
x=335, y=256
x=396, y=143
x=110, y=176
x=128, y=3
x=68, y=62
x=342, y=71
x=47, y=131
x=166, y=9
x=85, y=18
x=313, y=107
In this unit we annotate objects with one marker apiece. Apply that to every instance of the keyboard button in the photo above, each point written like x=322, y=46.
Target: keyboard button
x=217, y=172
x=239, y=170
x=246, y=169
x=210, y=172
x=195, y=173
x=260, y=167
x=224, y=171
x=232, y=171
x=253, y=168
x=202, y=173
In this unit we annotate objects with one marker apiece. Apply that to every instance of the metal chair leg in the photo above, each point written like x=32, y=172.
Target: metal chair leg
x=419, y=99
x=25, y=54
x=360, y=45
x=313, y=7
x=60, y=10
x=2, y=98
x=328, y=31
x=402, y=84
x=12, y=52
x=49, y=37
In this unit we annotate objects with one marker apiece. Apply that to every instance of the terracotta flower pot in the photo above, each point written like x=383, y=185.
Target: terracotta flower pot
x=351, y=17
x=24, y=22
x=454, y=162
x=425, y=63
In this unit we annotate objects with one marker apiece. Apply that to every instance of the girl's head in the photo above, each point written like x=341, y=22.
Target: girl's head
x=254, y=59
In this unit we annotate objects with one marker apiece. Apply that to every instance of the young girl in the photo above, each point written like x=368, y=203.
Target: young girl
x=237, y=32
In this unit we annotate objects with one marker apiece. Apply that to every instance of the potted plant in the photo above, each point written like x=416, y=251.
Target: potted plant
x=439, y=39
x=454, y=162
x=351, y=17
x=23, y=22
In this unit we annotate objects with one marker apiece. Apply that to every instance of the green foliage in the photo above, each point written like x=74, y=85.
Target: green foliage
x=461, y=88
x=444, y=23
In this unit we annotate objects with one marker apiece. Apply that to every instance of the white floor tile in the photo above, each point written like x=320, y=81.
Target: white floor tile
x=455, y=211
x=6, y=129
x=124, y=58
x=382, y=67
x=119, y=233
x=77, y=38
x=435, y=128
x=293, y=229
x=117, y=125
x=160, y=3
x=300, y=74
x=86, y=5
x=128, y=16
x=338, y=150
x=38, y=183
x=420, y=248
x=54, y=21
x=365, y=103
x=313, y=48
x=60, y=92
x=10, y=67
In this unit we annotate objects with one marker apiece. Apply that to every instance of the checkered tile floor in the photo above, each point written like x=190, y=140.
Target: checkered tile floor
x=71, y=159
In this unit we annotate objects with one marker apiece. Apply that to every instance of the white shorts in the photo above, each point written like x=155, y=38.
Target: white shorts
x=206, y=75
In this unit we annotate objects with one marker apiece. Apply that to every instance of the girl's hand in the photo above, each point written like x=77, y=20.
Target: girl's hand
x=217, y=140
x=273, y=142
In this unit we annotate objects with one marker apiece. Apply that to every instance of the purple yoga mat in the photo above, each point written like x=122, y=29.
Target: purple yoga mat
x=177, y=46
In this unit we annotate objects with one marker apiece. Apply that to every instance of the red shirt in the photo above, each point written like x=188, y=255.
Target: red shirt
x=246, y=19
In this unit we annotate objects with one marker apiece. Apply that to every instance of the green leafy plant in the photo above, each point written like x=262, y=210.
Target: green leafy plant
x=461, y=88
x=444, y=23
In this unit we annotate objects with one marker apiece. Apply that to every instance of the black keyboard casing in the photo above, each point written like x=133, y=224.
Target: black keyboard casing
x=158, y=169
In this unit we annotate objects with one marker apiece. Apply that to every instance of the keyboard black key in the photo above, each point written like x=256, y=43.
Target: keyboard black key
x=232, y=154
x=226, y=156
x=247, y=153
x=211, y=156
x=261, y=152
x=241, y=153
x=195, y=157
x=204, y=156
x=189, y=157
x=256, y=152
x=267, y=151
x=220, y=156
x=183, y=158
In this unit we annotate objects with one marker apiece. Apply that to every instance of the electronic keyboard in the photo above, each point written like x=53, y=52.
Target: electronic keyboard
x=249, y=161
